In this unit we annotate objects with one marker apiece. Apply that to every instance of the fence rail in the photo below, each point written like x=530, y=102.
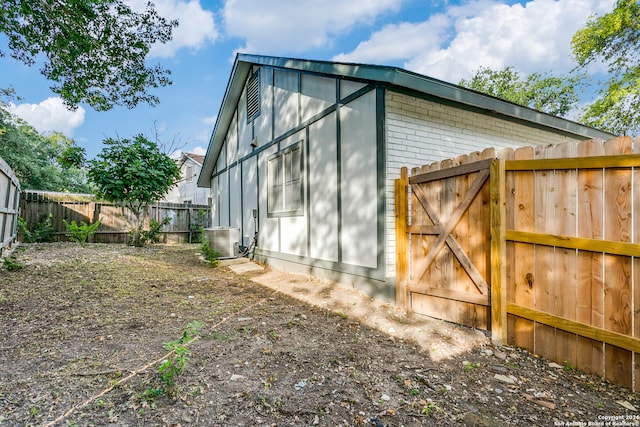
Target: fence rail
x=563, y=251
x=36, y=207
x=9, y=202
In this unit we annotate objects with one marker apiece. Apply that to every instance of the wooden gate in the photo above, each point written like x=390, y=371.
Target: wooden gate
x=539, y=245
x=449, y=236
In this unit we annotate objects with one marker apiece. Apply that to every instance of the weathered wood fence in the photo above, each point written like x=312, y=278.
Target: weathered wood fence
x=36, y=206
x=539, y=245
x=9, y=200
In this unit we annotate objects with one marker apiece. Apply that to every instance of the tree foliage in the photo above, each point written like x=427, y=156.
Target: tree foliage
x=52, y=163
x=94, y=50
x=135, y=174
x=553, y=95
x=614, y=39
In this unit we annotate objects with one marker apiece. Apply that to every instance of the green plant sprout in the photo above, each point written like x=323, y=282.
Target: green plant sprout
x=79, y=233
x=175, y=364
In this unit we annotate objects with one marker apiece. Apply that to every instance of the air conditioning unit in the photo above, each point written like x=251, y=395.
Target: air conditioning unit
x=224, y=240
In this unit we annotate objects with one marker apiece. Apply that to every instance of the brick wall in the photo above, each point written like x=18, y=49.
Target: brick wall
x=421, y=132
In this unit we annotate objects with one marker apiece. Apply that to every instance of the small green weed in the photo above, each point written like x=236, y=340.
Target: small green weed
x=12, y=264
x=567, y=366
x=429, y=408
x=148, y=397
x=274, y=335
x=209, y=254
x=42, y=232
x=469, y=366
x=153, y=234
x=79, y=233
x=174, y=365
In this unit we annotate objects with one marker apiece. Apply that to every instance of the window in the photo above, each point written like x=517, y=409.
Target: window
x=253, y=96
x=189, y=173
x=285, y=196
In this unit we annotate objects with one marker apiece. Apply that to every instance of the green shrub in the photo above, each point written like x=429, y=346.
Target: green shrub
x=43, y=231
x=153, y=234
x=80, y=233
x=196, y=229
x=208, y=253
x=12, y=264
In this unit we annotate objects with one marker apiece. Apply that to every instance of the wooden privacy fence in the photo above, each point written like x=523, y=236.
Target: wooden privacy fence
x=539, y=245
x=36, y=206
x=9, y=199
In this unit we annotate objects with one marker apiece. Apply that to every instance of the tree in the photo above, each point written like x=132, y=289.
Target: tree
x=52, y=163
x=553, y=95
x=613, y=38
x=135, y=174
x=94, y=50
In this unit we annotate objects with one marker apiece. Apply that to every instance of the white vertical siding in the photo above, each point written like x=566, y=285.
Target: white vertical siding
x=323, y=189
x=215, y=201
x=286, y=101
x=317, y=94
x=347, y=87
x=235, y=219
x=359, y=181
x=249, y=197
x=223, y=185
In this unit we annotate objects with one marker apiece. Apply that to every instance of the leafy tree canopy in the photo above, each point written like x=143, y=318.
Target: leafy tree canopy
x=553, y=95
x=51, y=163
x=94, y=50
x=614, y=39
x=135, y=174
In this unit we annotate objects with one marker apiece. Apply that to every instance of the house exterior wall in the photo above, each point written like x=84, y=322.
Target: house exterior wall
x=187, y=189
x=420, y=132
x=339, y=231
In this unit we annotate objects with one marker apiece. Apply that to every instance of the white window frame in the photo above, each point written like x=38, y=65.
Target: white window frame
x=285, y=183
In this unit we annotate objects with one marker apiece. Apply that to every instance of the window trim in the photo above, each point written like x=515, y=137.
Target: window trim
x=299, y=210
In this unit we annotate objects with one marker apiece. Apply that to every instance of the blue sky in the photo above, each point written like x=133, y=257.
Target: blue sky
x=445, y=39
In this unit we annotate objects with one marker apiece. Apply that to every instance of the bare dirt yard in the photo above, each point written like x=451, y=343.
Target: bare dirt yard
x=86, y=333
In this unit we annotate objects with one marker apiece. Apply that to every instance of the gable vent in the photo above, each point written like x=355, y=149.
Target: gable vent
x=253, y=96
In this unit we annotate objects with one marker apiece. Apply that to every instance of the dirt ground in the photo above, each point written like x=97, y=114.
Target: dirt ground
x=85, y=331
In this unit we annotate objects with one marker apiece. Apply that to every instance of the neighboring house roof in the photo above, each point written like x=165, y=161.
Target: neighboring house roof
x=434, y=89
x=197, y=158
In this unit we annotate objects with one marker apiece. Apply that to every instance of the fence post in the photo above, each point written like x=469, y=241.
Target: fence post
x=498, y=253
x=402, y=241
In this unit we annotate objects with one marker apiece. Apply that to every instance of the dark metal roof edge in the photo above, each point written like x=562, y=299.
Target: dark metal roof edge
x=225, y=115
x=393, y=76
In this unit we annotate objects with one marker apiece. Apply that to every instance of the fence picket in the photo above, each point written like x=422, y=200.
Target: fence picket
x=590, y=297
x=523, y=278
x=636, y=267
x=617, y=269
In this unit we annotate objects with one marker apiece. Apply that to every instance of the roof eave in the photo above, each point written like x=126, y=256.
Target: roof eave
x=232, y=94
x=391, y=76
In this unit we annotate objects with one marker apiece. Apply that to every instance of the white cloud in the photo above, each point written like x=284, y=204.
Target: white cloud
x=210, y=120
x=51, y=115
x=399, y=41
x=196, y=28
x=533, y=37
x=198, y=150
x=280, y=26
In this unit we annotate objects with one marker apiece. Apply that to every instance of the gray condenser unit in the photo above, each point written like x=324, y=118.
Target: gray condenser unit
x=224, y=240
